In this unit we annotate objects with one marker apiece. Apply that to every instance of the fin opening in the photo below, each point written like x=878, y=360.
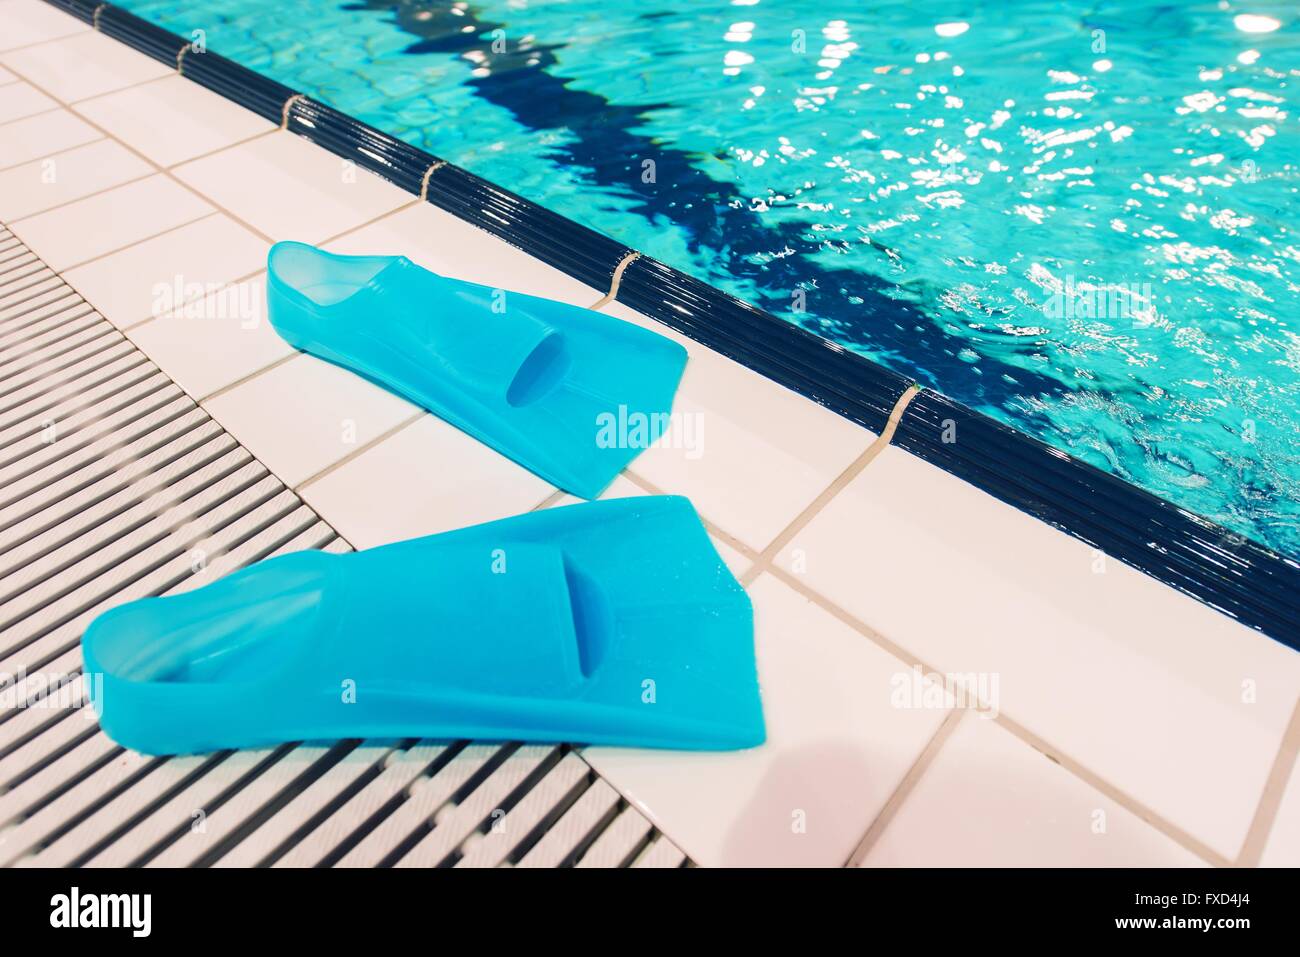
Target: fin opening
x=233, y=647
x=540, y=372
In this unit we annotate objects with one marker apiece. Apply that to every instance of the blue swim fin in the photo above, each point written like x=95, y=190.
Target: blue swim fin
x=568, y=393
x=610, y=622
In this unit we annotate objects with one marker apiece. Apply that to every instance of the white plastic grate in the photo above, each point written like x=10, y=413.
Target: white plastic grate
x=115, y=485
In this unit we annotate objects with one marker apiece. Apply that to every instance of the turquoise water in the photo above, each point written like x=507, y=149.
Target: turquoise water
x=1074, y=217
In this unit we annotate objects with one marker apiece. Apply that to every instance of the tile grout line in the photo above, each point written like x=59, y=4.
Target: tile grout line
x=48, y=40
x=220, y=287
x=615, y=281
x=113, y=252
x=359, y=450
x=762, y=561
x=68, y=104
x=424, y=180
x=285, y=109
x=56, y=108
x=1270, y=801
x=800, y=521
x=168, y=171
x=550, y=500
x=122, y=89
x=72, y=110
x=215, y=150
x=1024, y=735
x=43, y=156
x=369, y=222
x=76, y=199
x=215, y=393
x=905, y=787
x=74, y=107
x=1130, y=804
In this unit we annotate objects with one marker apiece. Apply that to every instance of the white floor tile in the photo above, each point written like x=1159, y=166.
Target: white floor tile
x=173, y=119
x=7, y=76
x=213, y=342
x=22, y=99
x=990, y=800
x=110, y=220
x=72, y=174
x=304, y=415
x=1172, y=703
x=42, y=135
x=452, y=247
x=750, y=454
x=156, y=275
x=837, y=748
x=289, y=188
x=31, y=21
x=1283, y=846
x=87, y=64
x=429, y=477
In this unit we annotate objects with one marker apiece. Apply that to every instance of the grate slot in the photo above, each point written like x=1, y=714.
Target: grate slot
x=423, y=798
x=269, y=839
x=557, y=788
x=620, y=843
x=240, y=803
x=95, y=356
x=29, y=453
x=661, y=853
x=334, y=836
x=45, y=487
x=566, y=840
x=80, y=502
x=113, y=820
x=449, y=827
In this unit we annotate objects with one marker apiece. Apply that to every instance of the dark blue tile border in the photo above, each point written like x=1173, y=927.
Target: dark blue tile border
x=1220, y=568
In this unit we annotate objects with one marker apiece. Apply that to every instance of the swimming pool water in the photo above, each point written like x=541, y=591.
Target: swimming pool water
x=1075, y=217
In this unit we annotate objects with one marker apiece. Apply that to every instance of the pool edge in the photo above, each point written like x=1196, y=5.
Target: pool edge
x=1223, y=569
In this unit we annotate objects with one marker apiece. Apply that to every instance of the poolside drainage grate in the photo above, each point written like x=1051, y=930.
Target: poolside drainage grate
x=116, y=486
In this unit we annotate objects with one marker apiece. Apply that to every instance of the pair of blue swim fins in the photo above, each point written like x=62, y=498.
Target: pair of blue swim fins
x=610, y=622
